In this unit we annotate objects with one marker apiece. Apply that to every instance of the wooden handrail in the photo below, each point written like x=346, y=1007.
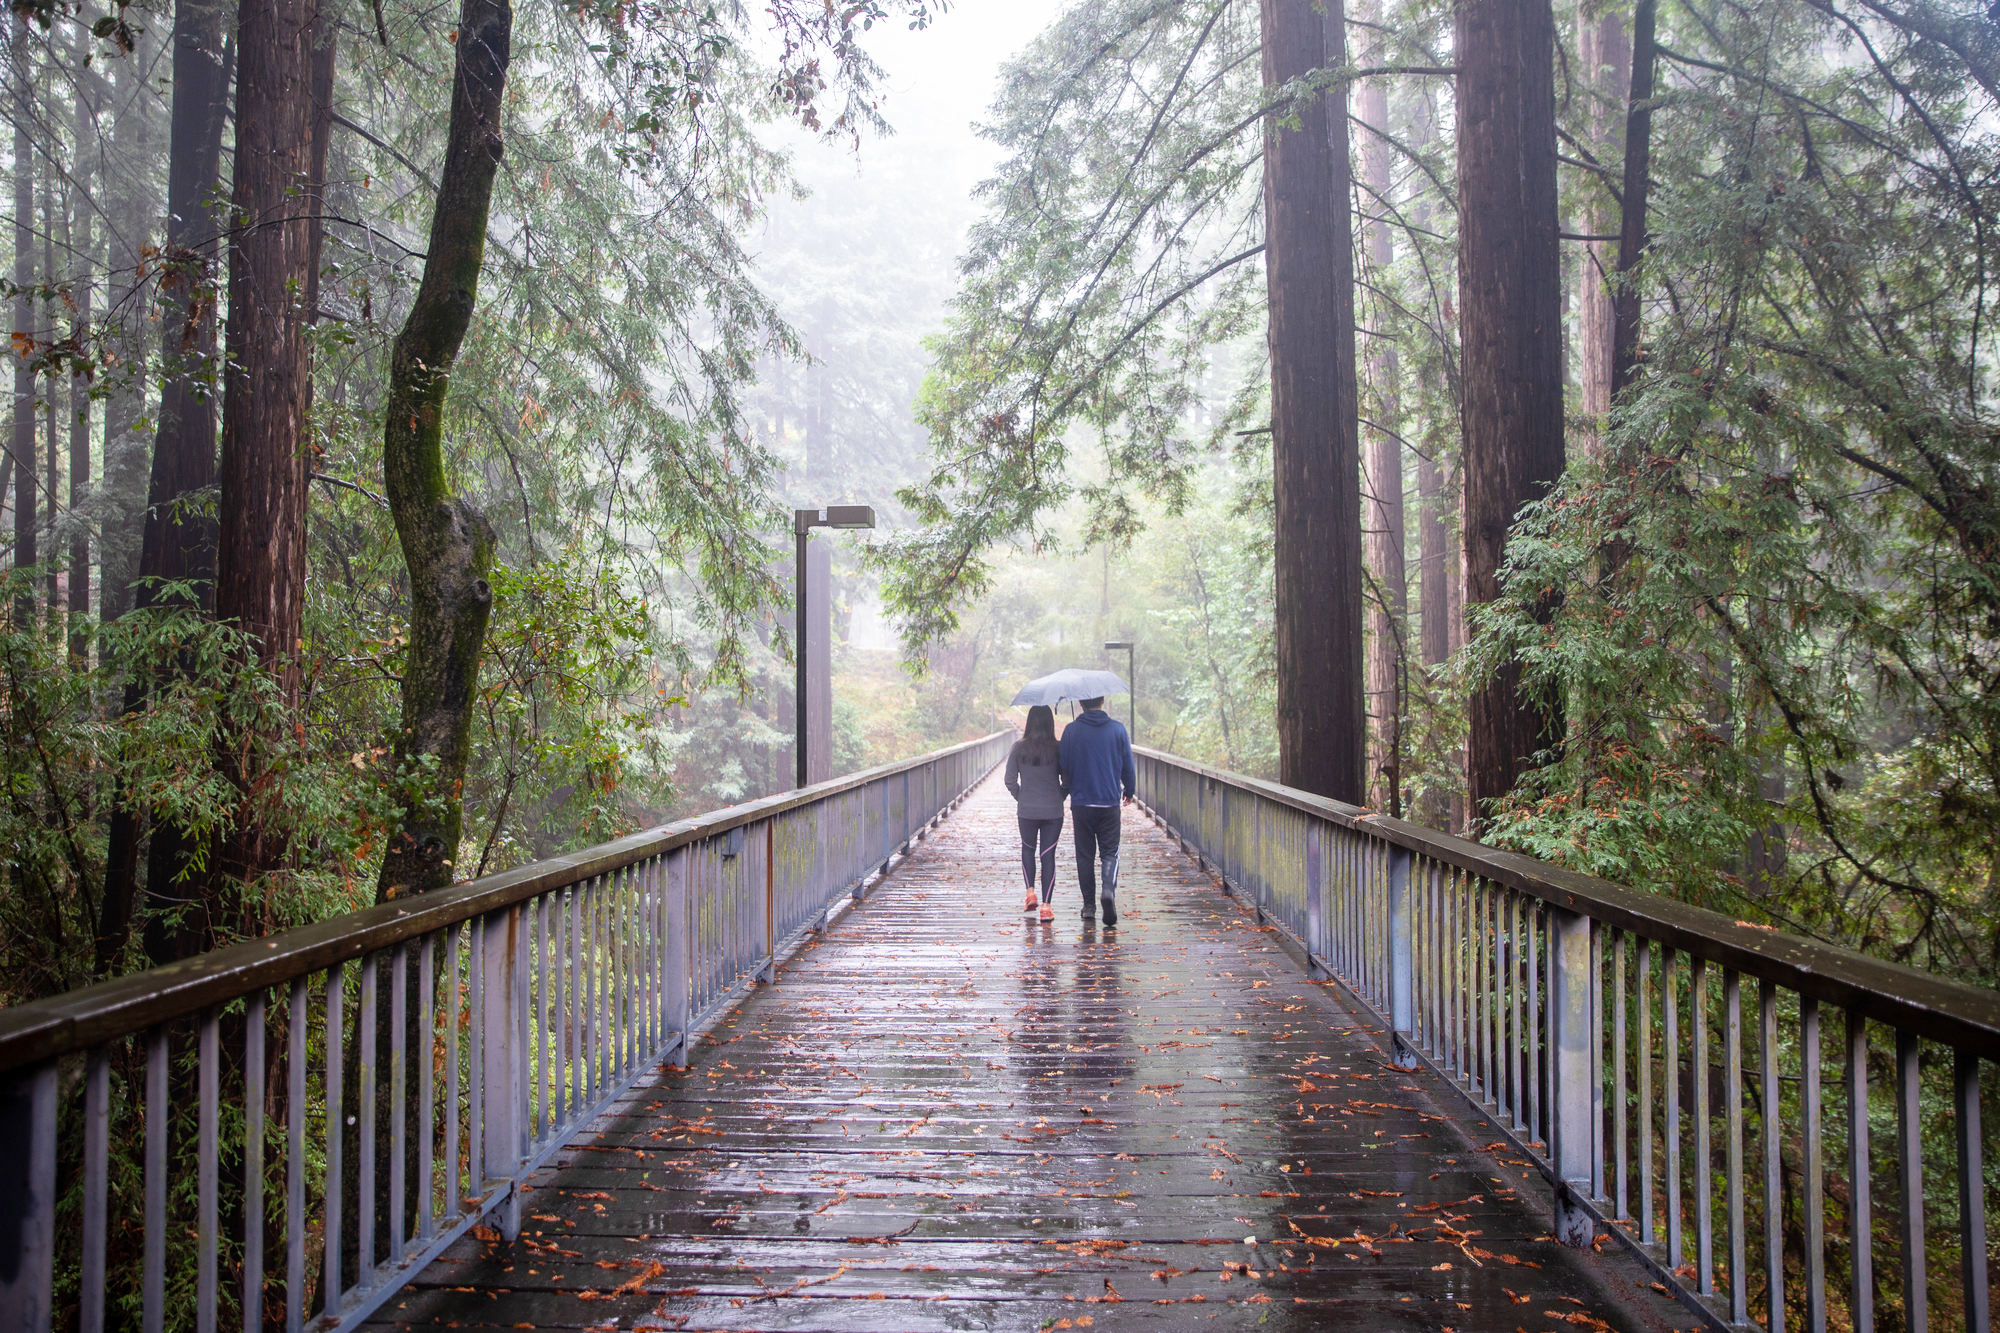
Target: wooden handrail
x=59, y=1025
x=1938, y=1008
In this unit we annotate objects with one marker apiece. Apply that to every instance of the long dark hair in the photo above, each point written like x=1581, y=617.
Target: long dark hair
x=1038, y=747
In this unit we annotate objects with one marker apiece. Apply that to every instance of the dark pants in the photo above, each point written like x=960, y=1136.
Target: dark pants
x=1046, y=832
x=1097, y=828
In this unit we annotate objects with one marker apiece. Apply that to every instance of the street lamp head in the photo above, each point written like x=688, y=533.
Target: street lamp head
x=834, y=516
x=850, y=516
x=1121, y=647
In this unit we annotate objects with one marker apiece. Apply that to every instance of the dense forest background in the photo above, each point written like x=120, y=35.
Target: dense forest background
x=1752, y=600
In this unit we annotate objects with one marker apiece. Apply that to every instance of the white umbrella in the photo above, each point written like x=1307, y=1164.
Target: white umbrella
x=1070, y=683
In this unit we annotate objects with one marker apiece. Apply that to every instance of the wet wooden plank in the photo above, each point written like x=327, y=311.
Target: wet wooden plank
x=947, y=1115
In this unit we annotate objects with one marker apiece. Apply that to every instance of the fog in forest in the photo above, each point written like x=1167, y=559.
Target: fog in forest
x=1569, y=425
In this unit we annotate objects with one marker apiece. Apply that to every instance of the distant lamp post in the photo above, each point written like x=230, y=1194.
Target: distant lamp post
x=1131, y=651
x=803, y=522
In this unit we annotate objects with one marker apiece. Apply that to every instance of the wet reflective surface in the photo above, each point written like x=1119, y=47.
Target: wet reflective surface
x=947, y=1115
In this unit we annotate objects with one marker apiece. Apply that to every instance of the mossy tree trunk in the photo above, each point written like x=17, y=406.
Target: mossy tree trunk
x=447, y=543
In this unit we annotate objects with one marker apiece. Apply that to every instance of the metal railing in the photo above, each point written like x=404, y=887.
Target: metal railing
x=1583, y=1020
x=517, y=1007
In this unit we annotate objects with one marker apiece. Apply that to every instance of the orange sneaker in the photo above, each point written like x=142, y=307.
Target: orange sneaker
x=1048, y=912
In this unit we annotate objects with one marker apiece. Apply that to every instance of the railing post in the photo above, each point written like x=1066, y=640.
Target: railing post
x=28, y=1199
x=1315, y=905
x=1402, y=963
x=1571, y=1033
x=503, y=1068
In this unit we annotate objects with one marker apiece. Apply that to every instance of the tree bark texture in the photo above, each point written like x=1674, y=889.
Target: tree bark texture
x=179, y=544
x=134, y=205
x=83, y=248
x=447, y=543
x=1388, y=665
x=27, y=477
x=1632, y=233
x=1309, y=272
x=1604, y=50
x=281, y=119
x=1510, y=295
x=179, y=547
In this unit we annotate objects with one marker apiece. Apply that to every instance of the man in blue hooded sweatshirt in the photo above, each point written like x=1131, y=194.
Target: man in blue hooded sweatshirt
x=1095, y=755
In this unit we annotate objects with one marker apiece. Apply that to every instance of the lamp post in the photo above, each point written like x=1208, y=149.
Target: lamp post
x=839, y=517
x=1131, y=678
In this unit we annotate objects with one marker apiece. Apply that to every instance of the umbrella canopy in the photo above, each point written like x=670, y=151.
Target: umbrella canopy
x=1070, y=683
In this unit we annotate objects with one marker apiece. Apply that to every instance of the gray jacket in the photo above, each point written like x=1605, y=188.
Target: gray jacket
x=1037, y=788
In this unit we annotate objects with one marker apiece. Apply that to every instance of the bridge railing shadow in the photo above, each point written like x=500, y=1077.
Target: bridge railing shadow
x=280, y=1133
x=1666, y=1068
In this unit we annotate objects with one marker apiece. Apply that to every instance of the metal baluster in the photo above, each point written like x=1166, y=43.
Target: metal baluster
x=1704, y=1195
x=1774, y=1203
x=593, y=1013
x=1670, y=1054
x=1739, y=1276
x=1594, y=1026
x=475, y=1076
x=1517, y=1098
x=154, y=1262
x=253, y=1162
x=1618, y=1128
x=1971, y=1192
x=573, y=1055
x=295, y=1159
x=1644, y=948
x=1483, y=925
x=96, y=1187
x=364, y=1198
x=452, y=1192
x=535, y=920
x=399, y=1096
x=426, y=1082
x=208, y=1073
x=1454, y=978
x=1814, y=1168
x=1910, y=1161
x=336, y=1022
x=1534, y=1031
x=1861, y=1221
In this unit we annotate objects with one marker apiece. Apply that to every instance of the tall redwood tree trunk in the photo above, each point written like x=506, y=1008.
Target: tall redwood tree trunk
x=1604, y=49
x=1632, y=231
x=82, y=248
x=1309, y=271
x=281, y=120
x=1389, y=664
x=1510, y=296
x=22, y=446
x=447, y=543
x=179, y=542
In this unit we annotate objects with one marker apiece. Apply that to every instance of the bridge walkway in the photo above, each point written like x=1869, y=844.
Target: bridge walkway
x=945, y=1115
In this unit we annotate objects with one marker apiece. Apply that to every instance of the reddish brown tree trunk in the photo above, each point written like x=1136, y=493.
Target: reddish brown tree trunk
x=1632, y=232
x=1389, y=664
x=1604, y=50
x=1308, y=261
x=1510, y=295
x=284, y=77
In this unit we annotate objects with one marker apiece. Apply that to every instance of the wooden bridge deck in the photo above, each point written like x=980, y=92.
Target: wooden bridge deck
x=945, y=1115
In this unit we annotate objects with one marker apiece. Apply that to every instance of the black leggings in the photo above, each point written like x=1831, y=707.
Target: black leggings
x=1046, y=832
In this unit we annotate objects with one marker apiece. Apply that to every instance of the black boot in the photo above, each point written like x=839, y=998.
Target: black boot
x=1110, y=892
x=1090, y=908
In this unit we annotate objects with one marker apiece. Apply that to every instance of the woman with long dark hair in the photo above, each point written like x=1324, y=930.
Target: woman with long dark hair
x=1035, y=780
